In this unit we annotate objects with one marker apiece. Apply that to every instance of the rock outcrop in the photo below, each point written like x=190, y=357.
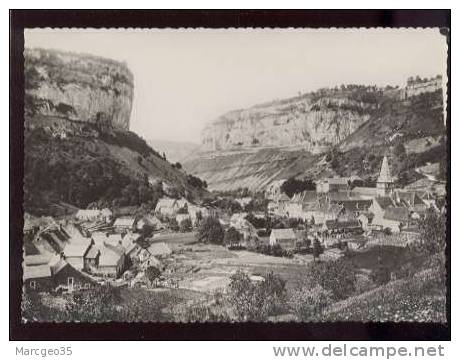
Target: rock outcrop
x=312, y=122
x=78, y=87
x=324, y=133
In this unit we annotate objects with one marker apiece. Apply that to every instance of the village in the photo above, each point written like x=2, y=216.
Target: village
x=161, y=249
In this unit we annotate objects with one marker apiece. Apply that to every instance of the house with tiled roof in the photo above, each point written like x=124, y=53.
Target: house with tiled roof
x=347, y=226
x=286, y=238
x=159, y=250
x=125, y=223
x=67, y=277
x=112, y=261
x=333, y=184
x=169, y=207
x=364, y=192
x=74, y=254
x=37, y=278
x=274, y=189
x=391, y=216
x=150, y=220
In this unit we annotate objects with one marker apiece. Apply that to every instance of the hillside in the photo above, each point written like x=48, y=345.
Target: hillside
x=74, y=159
x=175, y=151
x=343, y=131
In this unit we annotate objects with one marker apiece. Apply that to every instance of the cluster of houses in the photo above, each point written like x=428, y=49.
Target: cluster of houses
x=95, y=245
x=335, y=208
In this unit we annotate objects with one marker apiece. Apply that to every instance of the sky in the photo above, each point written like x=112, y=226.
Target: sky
x=183, y=79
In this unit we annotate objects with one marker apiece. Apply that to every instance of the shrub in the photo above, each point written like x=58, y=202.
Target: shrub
x=232, y=237
x=152, y=274
x=173, y=225
x=255, y=301
x=308, y=304
x=337, y=276
x=317, y=249
x=381, y=275
x=185, y=225
x=387, y=231
x=210, y=231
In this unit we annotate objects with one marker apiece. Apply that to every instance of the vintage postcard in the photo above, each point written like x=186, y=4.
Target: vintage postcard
x=235, y=175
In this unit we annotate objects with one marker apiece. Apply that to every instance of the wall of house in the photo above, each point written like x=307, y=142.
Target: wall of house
x=107, y=270
x=42, y=284
x=80, y=280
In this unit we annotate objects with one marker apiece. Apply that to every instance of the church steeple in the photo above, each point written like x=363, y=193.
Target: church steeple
x=385, y=180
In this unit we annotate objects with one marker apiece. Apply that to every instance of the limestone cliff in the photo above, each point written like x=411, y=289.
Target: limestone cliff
x=342, y=131
x=77, y=87
x=314, y=122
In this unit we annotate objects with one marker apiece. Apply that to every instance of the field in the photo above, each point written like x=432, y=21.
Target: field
x=207, y=268
x=197, y=275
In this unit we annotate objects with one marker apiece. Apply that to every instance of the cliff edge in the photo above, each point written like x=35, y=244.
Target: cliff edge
x=77, y=87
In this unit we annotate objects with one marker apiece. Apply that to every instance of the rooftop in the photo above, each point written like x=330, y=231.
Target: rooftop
x=396, y=213
x=39, y=259
x=36, y=272
x=125, y=221
x=283, y=233
x=76, y=250
x=158, y=249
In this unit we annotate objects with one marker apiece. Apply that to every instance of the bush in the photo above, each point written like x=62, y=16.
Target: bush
x=256, y=301
x=387, y=231
x=152, y=274
x=381, y=275
x=210, y=231
x=308, y=304
x=232, y=237
x=292, y=186
x=336, y=276
x=185, y=225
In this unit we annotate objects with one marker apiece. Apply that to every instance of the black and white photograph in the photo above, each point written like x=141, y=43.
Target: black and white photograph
x=230, y=175
x=234, y=175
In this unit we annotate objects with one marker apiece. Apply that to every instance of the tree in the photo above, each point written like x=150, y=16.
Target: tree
x=442, y=170
x=317, y=250
x=432, y=232
x=232, y=237
x=400, y=150
x=152, y=274
x=185, y=225
x=178, y=165
x=292, y=186
x=210, y=231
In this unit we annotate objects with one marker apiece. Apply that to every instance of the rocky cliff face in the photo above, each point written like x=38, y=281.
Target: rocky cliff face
x=77, y=87
x=313, y=122
x=329, y=132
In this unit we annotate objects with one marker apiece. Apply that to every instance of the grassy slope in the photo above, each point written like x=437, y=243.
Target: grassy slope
x=89, y=165
x=419, y=298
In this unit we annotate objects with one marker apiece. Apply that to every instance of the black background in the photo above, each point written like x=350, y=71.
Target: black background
x=20, y=19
